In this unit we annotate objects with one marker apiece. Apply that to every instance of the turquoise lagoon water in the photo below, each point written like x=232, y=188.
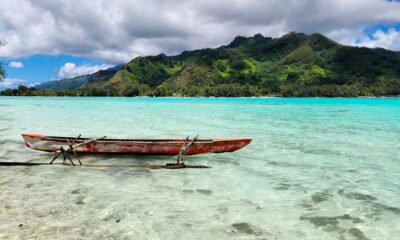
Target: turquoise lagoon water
x=316, y=169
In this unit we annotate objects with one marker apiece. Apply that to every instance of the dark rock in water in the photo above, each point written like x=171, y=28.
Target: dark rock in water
x=187, y=191
x=204, y=191
x=80, y=201
x=271, y=163
x=379, y=207
x=243, y=228
x=320, y=197
x=321, y=221
x=394, y=210
x=282, y=186
x=360, y=196
x=223, y=210
x=75, y=191
x=348, y=217
x=358, y=234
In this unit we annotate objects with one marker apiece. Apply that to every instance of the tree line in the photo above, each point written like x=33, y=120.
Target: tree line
x=390, y=88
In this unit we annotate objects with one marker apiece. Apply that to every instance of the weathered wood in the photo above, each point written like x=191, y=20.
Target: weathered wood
x=21, y=164
x=55, y=157
x=71, y=148
x=83, y=143
x=76, y=139
x=150, y=166
x=184, y=149
x=77, y=157
x=167, y=147
x=69, y=158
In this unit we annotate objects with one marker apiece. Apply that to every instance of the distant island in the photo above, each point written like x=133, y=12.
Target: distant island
x=294, y=65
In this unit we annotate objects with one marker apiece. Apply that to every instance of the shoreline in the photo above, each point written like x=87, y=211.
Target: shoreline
x=384, y=96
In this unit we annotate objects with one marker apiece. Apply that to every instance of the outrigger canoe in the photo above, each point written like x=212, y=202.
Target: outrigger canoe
x=134, y=146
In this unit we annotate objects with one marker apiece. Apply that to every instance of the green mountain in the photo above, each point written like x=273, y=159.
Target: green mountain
x=295, y=64
x=78, y=82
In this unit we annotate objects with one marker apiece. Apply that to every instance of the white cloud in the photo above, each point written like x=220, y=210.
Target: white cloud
x=16, y=64
x=116, y=31
x=389, y=40
x=69, y=70
x=12, y=83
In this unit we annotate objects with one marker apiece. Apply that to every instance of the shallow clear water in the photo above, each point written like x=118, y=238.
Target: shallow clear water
x=316, y=169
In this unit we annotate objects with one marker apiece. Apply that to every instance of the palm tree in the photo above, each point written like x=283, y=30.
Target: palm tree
x=2, y=71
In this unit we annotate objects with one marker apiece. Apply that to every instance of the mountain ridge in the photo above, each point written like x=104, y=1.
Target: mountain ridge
x=295, y=64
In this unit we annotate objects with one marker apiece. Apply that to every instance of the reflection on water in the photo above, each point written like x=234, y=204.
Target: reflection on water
x=317, y=169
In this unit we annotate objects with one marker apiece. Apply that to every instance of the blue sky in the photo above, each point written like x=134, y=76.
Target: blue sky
x=42, y=68
x=50, y=40
x=385, y=27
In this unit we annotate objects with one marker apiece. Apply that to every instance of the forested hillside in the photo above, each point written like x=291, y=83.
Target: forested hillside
x=295, y=64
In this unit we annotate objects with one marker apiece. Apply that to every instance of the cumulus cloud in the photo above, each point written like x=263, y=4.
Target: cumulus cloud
x=12, y=83
x=116, y=31
x=16, y=64
x=389, y=39
x=69, y=70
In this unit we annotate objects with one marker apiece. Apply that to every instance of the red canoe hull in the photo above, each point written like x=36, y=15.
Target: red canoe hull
x=136, y=146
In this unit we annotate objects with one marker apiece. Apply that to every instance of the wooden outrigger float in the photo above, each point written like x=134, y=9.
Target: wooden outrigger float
x=64, y=146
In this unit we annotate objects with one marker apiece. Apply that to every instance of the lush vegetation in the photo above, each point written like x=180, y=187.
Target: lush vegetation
x=2, y=71
x=293, y=65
